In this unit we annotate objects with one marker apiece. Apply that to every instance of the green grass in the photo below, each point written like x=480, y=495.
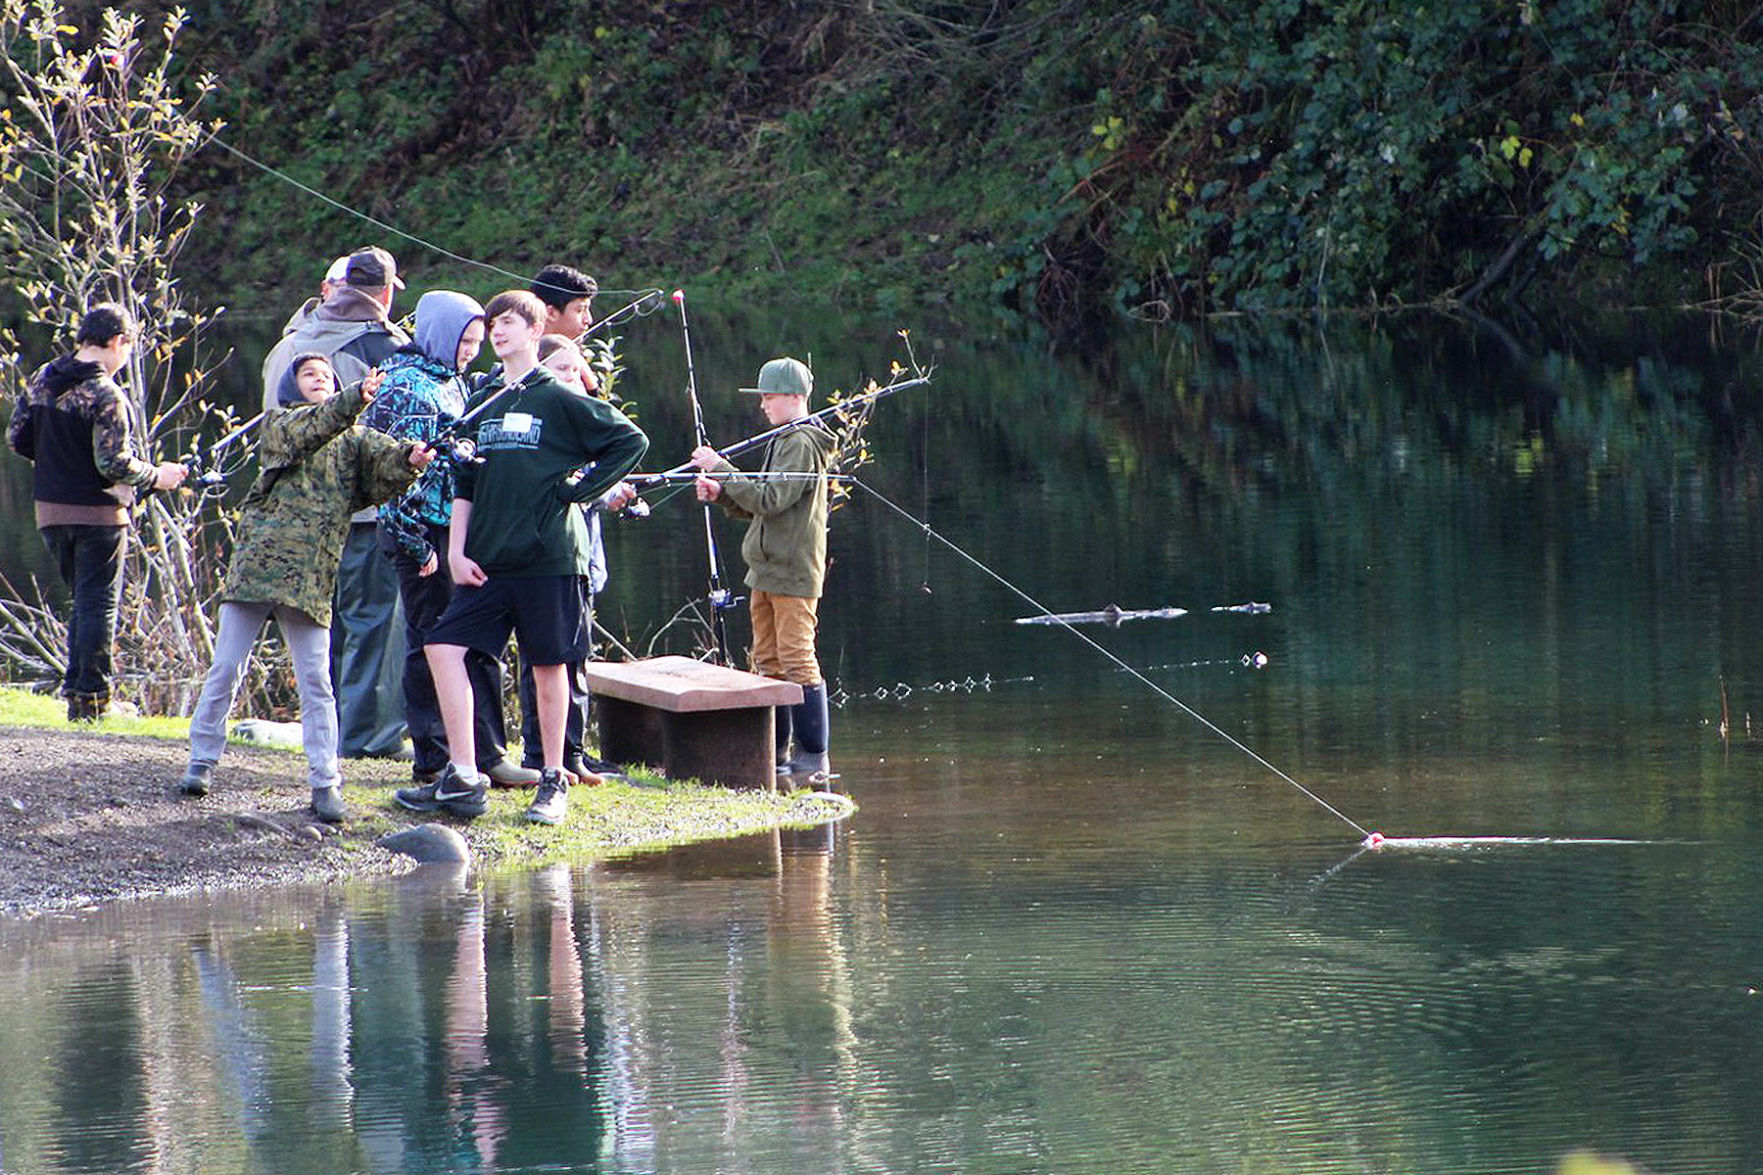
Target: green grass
x=23, y=707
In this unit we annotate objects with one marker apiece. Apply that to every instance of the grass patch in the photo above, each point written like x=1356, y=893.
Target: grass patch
x=23, y=707
x=614, y=819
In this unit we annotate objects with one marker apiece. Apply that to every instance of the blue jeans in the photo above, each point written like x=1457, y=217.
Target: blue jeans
x=90, y=561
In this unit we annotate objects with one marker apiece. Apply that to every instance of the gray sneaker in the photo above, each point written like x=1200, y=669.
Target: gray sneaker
x=552, y=802
x=448, y=793
x=197, y=779
x=327, y=804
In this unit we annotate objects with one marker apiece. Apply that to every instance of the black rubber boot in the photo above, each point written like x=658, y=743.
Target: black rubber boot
x=809, y=767
x=782, y=720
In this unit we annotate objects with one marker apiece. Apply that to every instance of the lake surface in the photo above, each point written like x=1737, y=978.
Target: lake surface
x=1514, y=586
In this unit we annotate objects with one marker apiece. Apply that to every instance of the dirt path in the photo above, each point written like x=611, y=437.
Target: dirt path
x=91, y=817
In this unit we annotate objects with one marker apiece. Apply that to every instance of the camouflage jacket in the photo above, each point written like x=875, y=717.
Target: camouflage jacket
x=319, y=467
x=85, y=436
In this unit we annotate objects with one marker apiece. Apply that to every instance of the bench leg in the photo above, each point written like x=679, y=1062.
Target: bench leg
x=733, y=748
x=630, y=733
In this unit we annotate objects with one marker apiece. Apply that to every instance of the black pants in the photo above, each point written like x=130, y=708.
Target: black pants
x=425, y=598
x=90, y=561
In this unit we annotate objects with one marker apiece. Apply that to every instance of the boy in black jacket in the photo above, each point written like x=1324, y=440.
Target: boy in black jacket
x=86, y=439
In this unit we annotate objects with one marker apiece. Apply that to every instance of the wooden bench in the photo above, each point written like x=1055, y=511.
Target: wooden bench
x=690, y=719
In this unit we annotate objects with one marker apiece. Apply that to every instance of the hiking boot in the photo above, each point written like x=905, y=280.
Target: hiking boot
x=505, y=773
x=549, y=806
x=449, y=794
x=86, y=707
x=327, y=804
x=197, y=779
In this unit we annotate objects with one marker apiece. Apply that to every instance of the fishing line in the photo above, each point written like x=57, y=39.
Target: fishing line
x=375, y=221
x=924, y=503
x=1147, y=682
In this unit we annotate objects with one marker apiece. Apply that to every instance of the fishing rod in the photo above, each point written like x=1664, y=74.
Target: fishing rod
x=642, y=306
x=720, y=597
x=686, y=477
x=757, y=439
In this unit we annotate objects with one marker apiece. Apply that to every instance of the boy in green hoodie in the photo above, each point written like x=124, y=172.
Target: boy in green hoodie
x=785, y=550
x=517, y=548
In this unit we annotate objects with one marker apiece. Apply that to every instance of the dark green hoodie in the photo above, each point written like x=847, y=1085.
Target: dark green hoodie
x=523, y=518
x=785, y=547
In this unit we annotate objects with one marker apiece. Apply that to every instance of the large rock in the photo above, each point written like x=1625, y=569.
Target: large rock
x=430, y=844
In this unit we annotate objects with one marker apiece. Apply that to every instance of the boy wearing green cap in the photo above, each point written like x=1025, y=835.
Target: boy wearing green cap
x=785, y=550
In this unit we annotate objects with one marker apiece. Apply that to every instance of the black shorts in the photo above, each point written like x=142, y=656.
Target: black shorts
x=544, y=613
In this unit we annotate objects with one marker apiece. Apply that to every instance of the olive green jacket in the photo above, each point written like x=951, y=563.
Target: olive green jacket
x=785, y=545
x=319, y=467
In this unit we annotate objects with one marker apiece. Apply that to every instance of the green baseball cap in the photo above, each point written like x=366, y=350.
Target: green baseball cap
x=784, y=377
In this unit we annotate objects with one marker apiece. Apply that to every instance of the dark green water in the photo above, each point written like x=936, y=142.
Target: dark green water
x=1071, y=929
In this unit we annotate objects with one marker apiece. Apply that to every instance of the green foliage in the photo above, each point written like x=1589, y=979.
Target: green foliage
x=1354, y=154
x=1051, y=157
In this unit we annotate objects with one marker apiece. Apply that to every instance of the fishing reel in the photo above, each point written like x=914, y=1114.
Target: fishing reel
x=459, y=450
x=205, y=480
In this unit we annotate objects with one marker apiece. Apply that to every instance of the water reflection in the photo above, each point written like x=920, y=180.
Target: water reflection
x=445, y=1023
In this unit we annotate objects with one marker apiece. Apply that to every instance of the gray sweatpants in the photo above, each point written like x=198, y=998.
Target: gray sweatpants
x=310, y=646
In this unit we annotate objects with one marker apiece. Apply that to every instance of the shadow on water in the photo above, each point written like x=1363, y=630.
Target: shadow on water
x=1070, y=929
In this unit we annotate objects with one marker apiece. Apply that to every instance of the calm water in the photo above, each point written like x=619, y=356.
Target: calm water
x=1512, y=578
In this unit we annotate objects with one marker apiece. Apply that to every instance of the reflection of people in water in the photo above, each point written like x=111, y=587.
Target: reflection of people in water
x=243, y=1019
x=554, y=904
x=474, y=1112
x=238, y=1040
x=811, y=980
x=333, y=1093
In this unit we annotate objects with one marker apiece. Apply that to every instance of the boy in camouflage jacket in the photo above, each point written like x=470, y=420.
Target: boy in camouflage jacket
x=319, y=467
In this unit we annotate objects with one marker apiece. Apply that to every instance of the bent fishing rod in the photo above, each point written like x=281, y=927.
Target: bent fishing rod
x=720, y=597
x=644, y=304
x=757, y=439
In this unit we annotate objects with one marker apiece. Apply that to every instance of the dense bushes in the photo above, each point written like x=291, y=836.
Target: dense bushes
x=1051, y=156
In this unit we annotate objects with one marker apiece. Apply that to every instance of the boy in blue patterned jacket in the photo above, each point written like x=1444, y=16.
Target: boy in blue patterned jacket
x=423, y=395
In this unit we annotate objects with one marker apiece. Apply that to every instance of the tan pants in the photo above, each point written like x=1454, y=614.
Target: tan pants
x=783, y=637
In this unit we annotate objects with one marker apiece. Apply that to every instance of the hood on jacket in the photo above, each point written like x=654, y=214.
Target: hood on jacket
x=349, y=304
x=68, y=372
x=441, y=319
x=822, y=437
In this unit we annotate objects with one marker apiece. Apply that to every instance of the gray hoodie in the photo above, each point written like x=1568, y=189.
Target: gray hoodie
x=441, y=319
